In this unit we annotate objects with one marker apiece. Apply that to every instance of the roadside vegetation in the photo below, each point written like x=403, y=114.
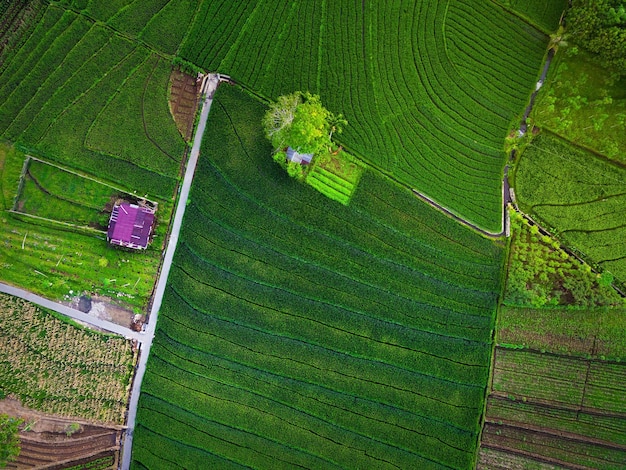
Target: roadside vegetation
x=53, y=366
x=300, y=331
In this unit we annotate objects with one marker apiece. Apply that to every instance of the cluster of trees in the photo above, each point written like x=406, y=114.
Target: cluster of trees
x=298, y=120
x=542, y=274
x=599, y=26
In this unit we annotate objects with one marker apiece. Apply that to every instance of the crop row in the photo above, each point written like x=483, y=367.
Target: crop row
x=277, y=407
x=126, y=118
x=436, y=354
x=607, y=428
x=441, y=128
x=583, y=202
x=57, y=367
x=545, y=15
x=539, y=444
x=52, y=112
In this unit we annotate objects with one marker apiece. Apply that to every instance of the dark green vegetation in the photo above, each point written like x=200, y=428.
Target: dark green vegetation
x=584, y=103
x=9, y=439
x=429, y=96
x=541, y=273
x=80, y=94
x=599, y=26
x=581, y=196
x=561, y=400
x=299, y=332
x=56, y=367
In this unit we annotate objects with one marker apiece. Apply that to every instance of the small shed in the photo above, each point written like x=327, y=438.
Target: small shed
x=301, y=158
x=130, y=225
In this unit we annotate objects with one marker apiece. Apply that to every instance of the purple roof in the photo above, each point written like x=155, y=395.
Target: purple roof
x=130, y=225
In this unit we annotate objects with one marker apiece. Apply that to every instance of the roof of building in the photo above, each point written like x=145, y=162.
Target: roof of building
x=130, y=225
x=301, y=158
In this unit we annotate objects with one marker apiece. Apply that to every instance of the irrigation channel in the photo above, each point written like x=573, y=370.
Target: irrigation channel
x=508, y=194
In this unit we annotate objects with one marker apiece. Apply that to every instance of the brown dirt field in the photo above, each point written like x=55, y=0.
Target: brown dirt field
x=183, y=101
x=46, y=444
x=553, y=342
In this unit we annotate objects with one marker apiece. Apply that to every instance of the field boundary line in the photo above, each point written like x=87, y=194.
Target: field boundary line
x=59, y=222
x=20, y=186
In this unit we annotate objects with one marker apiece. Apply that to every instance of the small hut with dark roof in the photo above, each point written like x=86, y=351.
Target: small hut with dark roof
x=130, y=225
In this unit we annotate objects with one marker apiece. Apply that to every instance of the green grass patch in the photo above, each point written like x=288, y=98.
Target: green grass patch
x=301, y=331
x=579, y=196
x=53, y=193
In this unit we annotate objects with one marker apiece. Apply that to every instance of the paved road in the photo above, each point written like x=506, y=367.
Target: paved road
x=210, y=87
x=72, y=313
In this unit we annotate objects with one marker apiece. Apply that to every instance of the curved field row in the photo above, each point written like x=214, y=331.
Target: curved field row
x=366, y=344
x=428, y=96
x=581, y=196
x=64, y=85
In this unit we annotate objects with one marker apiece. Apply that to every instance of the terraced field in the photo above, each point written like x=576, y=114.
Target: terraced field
x=300, y=331
x=74, y=84
x=429, y=96
x=560, y=403
x=581, y=196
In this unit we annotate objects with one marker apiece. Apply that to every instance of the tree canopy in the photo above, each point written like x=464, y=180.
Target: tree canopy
x=599, y=26
x=9, y=439
x=298, y=120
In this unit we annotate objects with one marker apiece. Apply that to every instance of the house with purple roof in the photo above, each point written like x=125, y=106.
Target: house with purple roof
x=130, y=225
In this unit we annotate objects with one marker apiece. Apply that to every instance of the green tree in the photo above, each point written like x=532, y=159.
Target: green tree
x=9, y=439
x=298, y=120
x=600, y=27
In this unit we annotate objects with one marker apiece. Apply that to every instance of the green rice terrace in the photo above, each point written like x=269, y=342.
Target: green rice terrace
x=299, y=332
x=345, y=322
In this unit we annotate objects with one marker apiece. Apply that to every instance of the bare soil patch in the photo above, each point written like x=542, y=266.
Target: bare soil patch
x=53, y=442
x=183, y=101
